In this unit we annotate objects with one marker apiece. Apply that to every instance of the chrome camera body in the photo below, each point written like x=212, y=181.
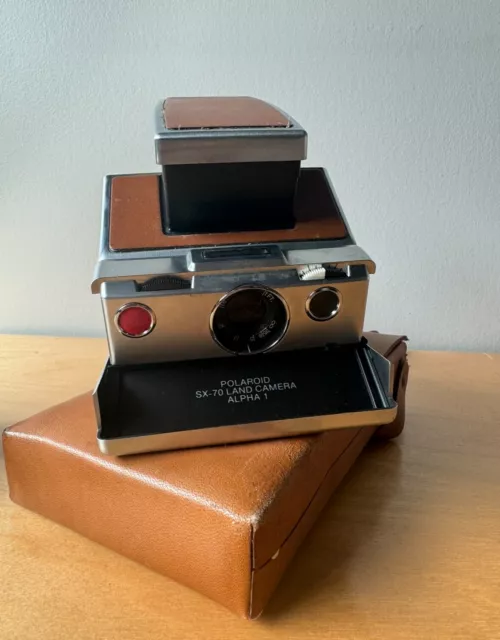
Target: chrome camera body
x=237, y=300
x=232, y=289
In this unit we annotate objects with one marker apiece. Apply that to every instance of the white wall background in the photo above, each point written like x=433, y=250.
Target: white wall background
x=401, y=100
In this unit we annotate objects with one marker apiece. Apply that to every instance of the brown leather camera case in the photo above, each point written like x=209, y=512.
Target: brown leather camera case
x=225, y=521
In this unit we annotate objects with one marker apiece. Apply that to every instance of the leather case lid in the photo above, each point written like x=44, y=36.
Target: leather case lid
x=212, y=518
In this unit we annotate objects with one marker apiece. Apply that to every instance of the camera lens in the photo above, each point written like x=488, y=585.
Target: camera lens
x=249, y=319
x=323, y=304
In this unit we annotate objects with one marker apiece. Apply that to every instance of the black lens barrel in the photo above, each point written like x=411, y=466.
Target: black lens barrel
x=249, y=319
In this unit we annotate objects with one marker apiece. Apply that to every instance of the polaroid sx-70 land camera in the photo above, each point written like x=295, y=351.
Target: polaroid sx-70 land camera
x=232, y=288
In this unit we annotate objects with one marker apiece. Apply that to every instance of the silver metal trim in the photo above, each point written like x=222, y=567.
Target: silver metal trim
x=311, y=297
x=95, y=396
x=184, y=315
x=201, y=260
x=243, y=145
x=245, y=432
x=129, y=305
x=148, y=264
x=246, y=287
x=340, y=209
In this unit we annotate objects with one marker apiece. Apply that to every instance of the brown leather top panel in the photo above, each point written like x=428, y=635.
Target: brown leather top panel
x=220, y=113
x=135, y=217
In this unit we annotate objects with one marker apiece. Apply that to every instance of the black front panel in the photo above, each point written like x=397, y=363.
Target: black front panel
x=170, y=397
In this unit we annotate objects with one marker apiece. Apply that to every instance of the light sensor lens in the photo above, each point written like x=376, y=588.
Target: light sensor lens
x=135, y=320
x=323, y=304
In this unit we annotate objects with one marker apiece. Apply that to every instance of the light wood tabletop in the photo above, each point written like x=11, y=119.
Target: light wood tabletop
x=408, y=547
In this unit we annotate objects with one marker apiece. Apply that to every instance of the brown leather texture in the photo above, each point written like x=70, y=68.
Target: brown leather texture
x=266, y=578
x=135, y=218
x=394, y=348
x=221, y=113
x=225, y=521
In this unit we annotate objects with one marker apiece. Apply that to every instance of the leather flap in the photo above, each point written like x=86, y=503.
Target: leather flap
x=384, y=343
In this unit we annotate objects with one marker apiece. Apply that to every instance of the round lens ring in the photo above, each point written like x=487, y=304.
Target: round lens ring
x=249, y=319
x=135, y=320
x=323, y=304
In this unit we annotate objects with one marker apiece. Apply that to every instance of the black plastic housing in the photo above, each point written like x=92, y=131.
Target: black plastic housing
x=229, y=197
x=193, y=396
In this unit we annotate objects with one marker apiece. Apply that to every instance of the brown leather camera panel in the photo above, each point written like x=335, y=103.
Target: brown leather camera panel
x=221, y=113
x=135, y=221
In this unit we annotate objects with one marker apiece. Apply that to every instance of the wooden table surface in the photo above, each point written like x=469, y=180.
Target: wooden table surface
x=409, y=546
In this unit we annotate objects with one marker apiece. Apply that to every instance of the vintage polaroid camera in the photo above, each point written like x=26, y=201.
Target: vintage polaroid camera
x=233, y=291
